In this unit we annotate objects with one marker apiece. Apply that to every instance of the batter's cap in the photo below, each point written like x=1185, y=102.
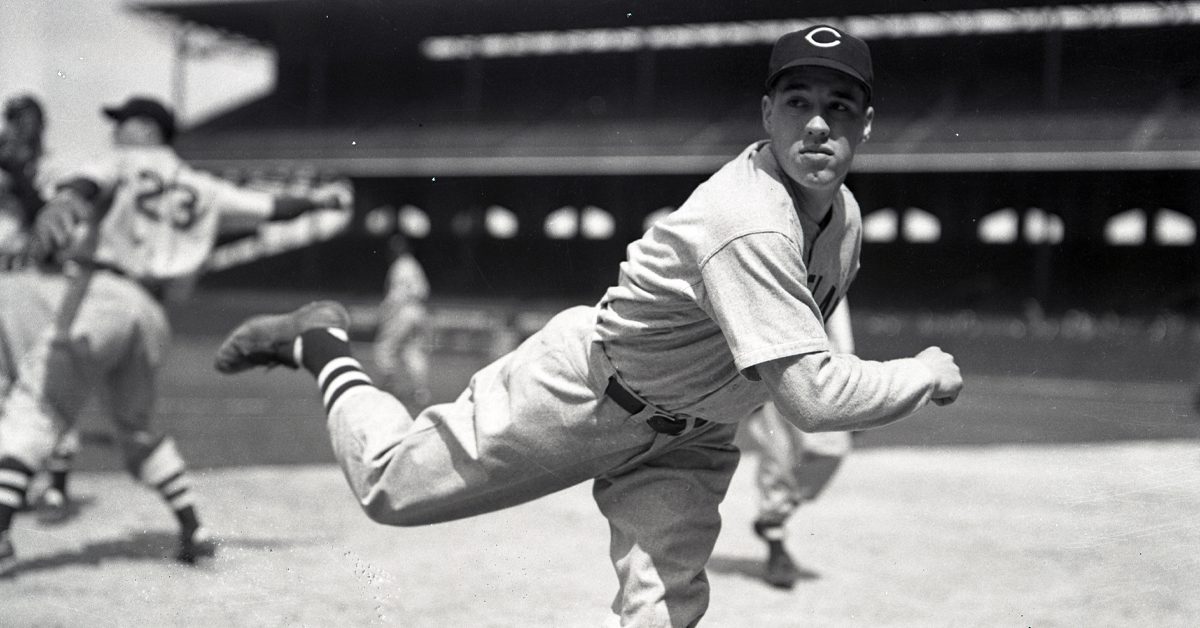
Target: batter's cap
x=825, y=46
x=148, y=108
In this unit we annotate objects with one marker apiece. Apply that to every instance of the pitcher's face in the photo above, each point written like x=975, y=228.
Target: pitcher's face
x=816, y=117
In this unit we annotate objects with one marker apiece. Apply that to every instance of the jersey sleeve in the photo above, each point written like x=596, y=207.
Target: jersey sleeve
x=238, y=207
x=839, y=330
x=755, y=288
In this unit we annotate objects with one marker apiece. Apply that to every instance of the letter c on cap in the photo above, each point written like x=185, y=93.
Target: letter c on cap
x=812, y=39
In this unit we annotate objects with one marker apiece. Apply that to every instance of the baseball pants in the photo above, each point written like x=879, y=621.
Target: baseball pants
x=113, y=339
x=793, y=466
x=537, y=421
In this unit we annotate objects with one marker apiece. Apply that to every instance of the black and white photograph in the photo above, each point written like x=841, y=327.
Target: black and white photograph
x=662, y=314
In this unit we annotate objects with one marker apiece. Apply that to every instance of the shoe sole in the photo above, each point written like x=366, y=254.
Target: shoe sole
x=781, y=583
x=191, y=557
x=254, y=342
x=201, y=544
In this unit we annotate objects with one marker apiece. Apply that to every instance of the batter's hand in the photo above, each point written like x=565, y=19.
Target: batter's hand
x=948, y=380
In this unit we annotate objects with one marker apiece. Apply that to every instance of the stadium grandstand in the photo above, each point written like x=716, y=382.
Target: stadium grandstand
x=1022, y=152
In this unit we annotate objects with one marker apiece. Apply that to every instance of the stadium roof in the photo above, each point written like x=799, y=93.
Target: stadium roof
x=1067, y=141
x=269, y=20
x=1163, y=134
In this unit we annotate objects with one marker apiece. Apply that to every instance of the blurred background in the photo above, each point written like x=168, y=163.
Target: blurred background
x=1030, y=194
x=1040, y=154
x=1030, y=191
x=1034, y=155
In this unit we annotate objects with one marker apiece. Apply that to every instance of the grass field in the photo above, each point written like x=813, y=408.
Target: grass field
x=1050, y=495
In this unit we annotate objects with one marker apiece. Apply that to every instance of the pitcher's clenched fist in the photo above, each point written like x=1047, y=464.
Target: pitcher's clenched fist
x=945, y=371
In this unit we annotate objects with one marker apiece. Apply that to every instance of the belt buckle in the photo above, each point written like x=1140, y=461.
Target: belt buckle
x=658, y=421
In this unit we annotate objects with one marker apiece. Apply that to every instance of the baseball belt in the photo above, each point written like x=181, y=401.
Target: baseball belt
x=156, y=289
x=661, y=423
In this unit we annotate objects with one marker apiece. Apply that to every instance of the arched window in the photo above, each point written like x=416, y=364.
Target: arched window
x=999, y=227
x=380, y=221
x=413, y=222
x=1043, y=227
x=881, y=225
x=921, y=226
x=562, y=223
x=1127, y=228
x=912, y=224
x=597, y=224
x=1173, y=228
x=1006, y=225
x=500, y=222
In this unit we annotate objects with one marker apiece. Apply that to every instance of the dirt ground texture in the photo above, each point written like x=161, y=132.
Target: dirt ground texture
x=1063, y=489
x=1091, y=535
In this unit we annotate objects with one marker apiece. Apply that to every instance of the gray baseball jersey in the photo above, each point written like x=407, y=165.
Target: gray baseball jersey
x=735, y=277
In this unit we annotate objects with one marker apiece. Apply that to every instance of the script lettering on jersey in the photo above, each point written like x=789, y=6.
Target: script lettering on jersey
x=828, y=302
x=171, y=200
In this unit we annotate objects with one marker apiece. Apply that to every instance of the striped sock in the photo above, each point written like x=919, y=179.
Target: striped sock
x=59, y=465
x=176, y=491
x=770, y=531
x=165, y=471
x=15, y=478
x=326, y=354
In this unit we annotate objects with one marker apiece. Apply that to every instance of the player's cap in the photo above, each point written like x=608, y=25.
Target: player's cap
x=148, y=108
x=825, y=46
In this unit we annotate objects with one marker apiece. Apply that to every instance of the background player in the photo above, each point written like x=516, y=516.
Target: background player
x=401, y=351
x=21, y=151
x=132, y=227
x=718, y=308
x=794, y=467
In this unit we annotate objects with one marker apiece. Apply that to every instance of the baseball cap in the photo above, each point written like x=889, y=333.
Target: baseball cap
x=147, y=107
x=825, y=46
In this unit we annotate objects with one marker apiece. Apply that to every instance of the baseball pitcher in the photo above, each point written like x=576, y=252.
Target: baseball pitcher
x=716, y=310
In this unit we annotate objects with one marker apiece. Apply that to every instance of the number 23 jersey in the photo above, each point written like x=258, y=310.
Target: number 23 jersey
x=162, y=216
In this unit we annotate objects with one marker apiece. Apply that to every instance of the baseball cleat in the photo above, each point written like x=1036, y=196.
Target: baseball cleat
x=8, y=556
x=267, y=340
x=198, y=544
x=54, y=507
x=781, y=570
